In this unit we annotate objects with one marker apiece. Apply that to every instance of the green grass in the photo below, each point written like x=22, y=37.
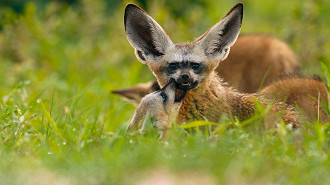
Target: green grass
x=60, y=124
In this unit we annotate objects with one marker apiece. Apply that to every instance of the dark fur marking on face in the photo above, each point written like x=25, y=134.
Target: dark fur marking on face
x=171, y=68
x=184, y=64
x=201, y=69
x=164, y=96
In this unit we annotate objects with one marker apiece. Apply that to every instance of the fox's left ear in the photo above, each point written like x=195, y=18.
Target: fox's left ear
x=216, y=42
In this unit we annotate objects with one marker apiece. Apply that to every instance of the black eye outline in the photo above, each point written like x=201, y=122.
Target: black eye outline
x=195, y=66
x=174, y=66
x=164, y=96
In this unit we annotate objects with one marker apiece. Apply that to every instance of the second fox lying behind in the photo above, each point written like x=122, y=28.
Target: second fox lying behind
x=192, y=65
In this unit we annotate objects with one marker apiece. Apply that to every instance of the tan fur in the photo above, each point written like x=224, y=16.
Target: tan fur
x=249, y=60
x=307, y=93
x=254, y=57
x=214, y=99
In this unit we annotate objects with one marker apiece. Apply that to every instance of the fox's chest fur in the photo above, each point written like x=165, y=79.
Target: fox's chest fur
x=212, y=99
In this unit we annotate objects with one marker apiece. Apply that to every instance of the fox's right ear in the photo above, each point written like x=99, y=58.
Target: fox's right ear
x=136, y=93
x=145, y=34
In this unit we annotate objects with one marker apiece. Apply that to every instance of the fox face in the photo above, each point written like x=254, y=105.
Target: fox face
x=161, y=106
x=187, y=63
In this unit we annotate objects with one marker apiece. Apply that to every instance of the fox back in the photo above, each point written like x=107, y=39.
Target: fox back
x=256, y=60
x=308, y=93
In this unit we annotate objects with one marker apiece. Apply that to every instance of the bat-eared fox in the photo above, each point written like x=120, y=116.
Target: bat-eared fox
x=190, y=68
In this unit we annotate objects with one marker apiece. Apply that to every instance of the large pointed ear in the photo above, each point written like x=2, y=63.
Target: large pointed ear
x=135, y=93
x=145, y=34
x=216, y=42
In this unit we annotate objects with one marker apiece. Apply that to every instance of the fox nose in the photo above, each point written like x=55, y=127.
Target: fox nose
x=185, y=76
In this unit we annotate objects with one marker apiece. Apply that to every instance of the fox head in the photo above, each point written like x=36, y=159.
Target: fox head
x=162, y=106
x=187, y=63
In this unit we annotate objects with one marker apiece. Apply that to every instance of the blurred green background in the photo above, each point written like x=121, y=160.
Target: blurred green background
x=70, y=38
x=60, y=59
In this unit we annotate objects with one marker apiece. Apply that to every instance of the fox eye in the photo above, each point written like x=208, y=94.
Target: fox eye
x=194, y=66
x=174, y=66
x=164, y=96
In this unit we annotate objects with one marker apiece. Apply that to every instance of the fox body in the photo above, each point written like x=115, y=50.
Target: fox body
x=218, y=99
x=253, y=59
x=192, y=66
x=163, y=106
